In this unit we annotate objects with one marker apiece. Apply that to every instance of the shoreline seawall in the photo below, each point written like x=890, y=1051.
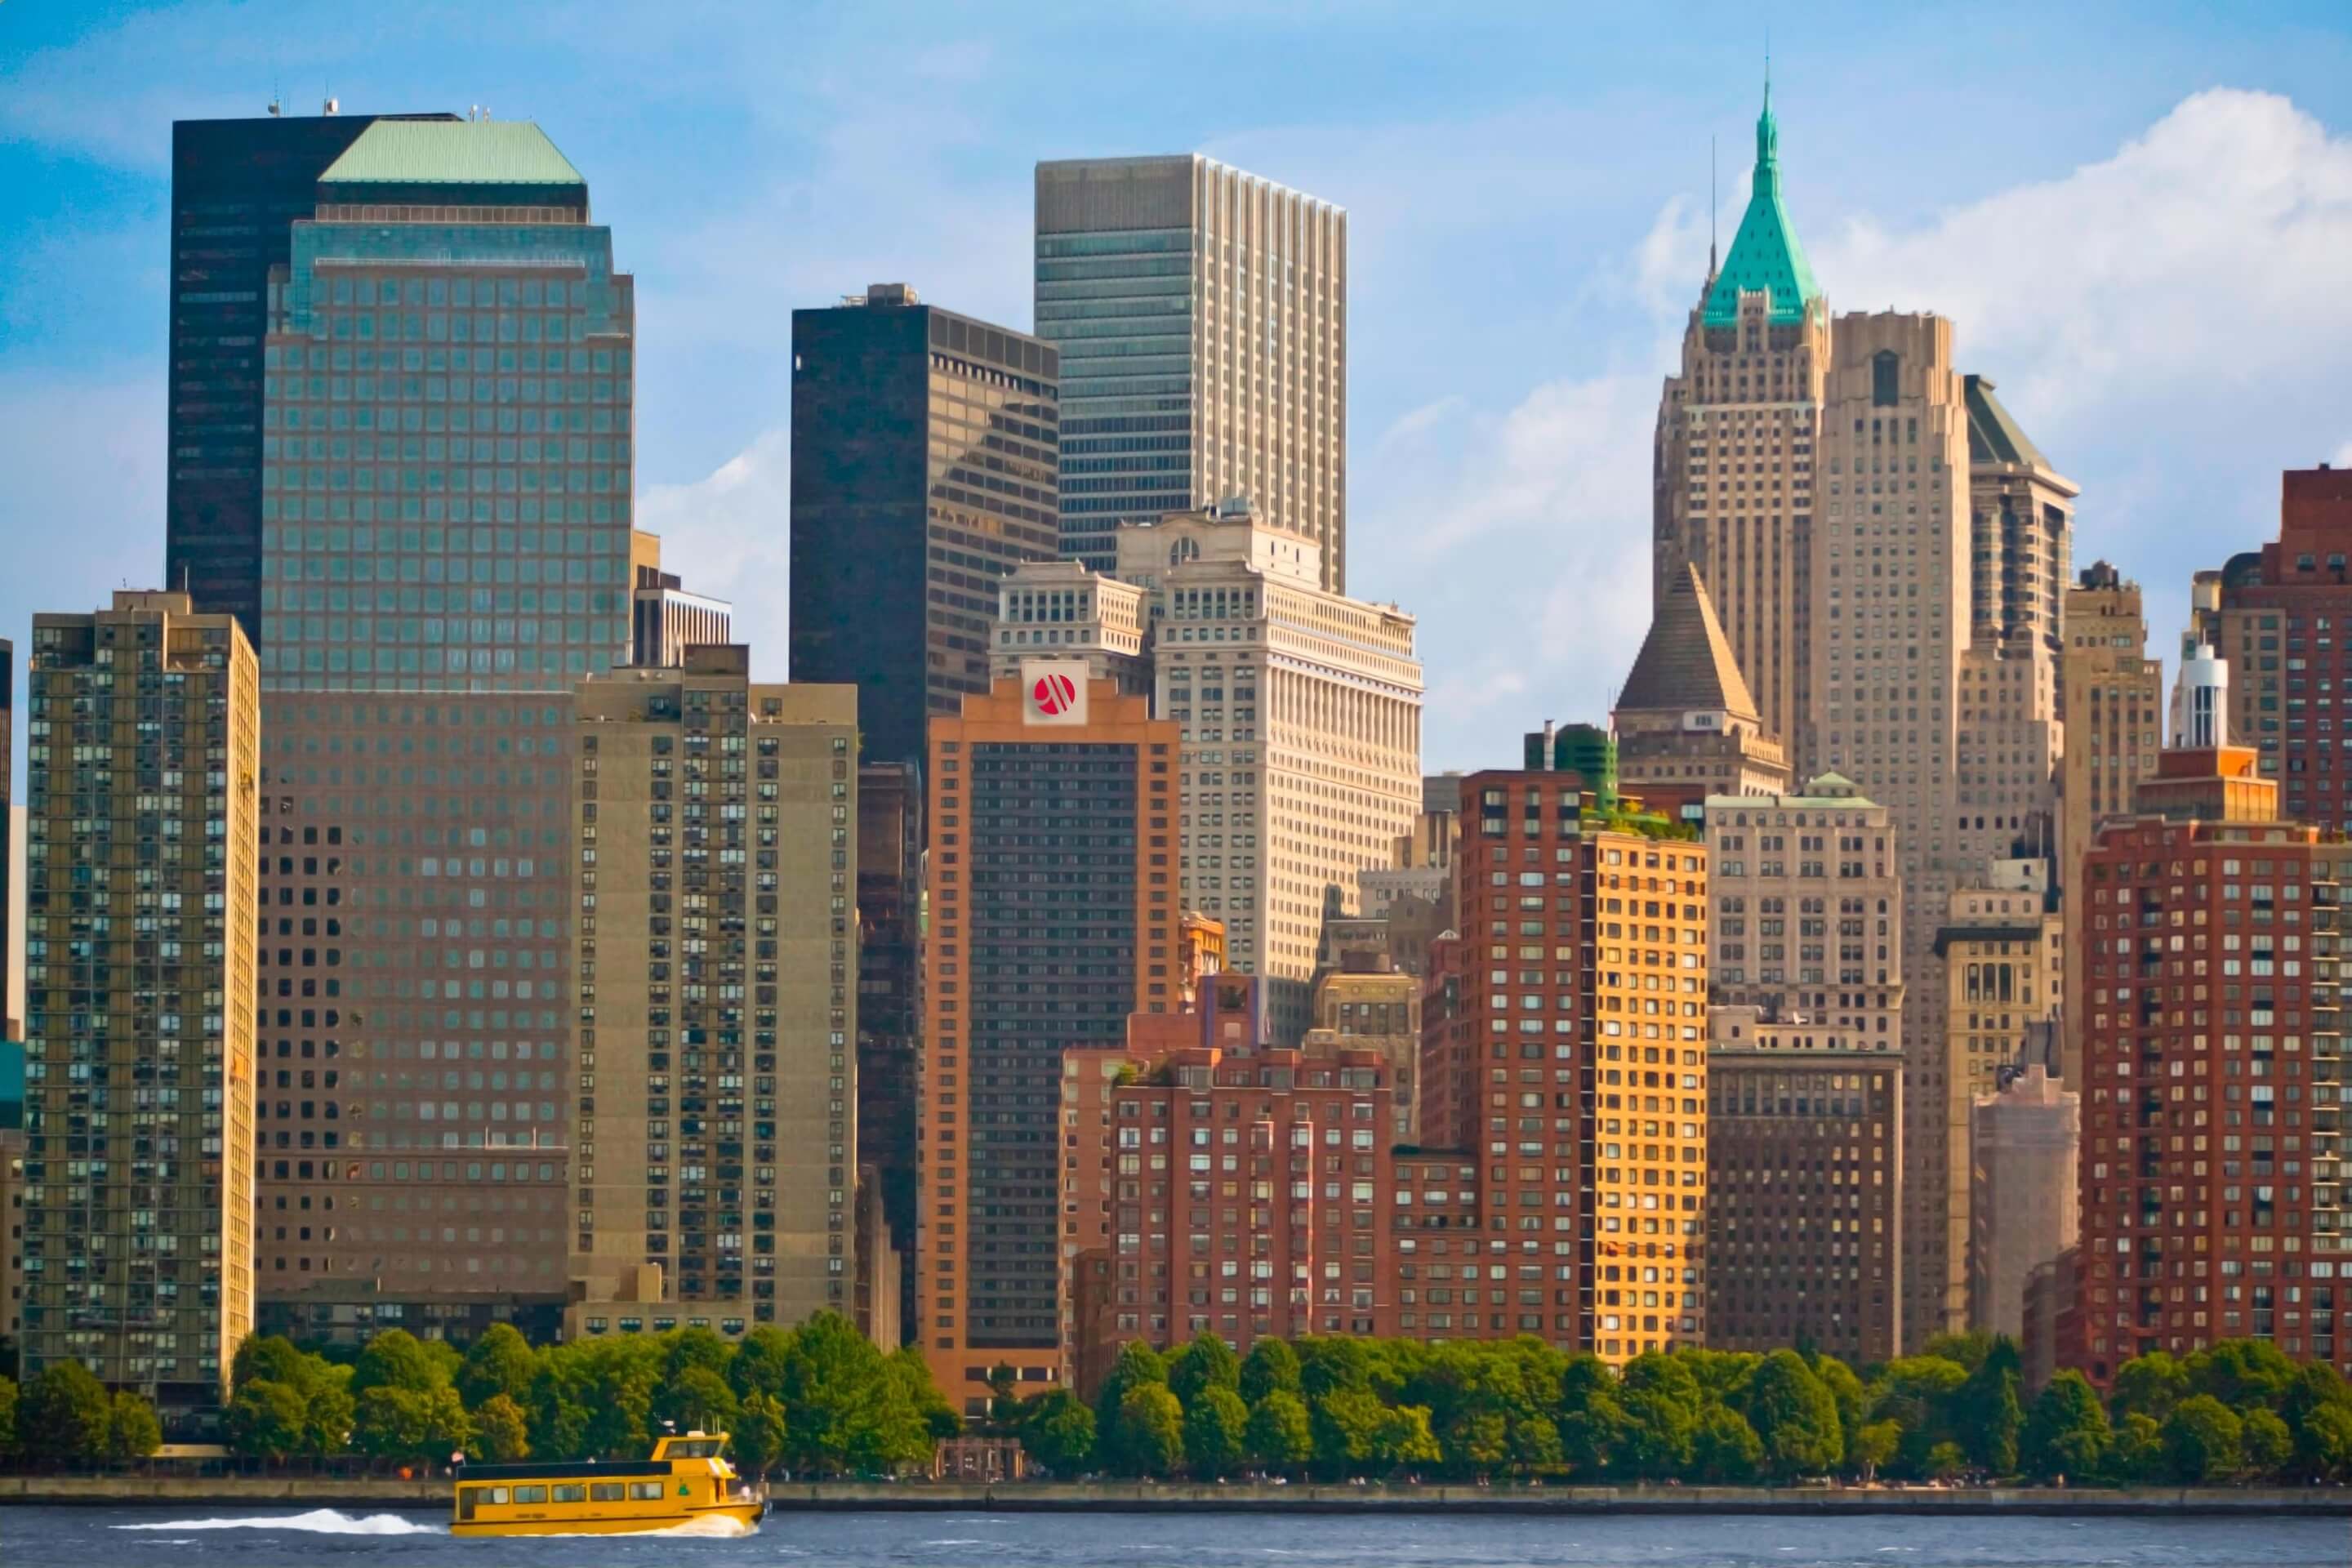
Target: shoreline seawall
x=1129, y=1497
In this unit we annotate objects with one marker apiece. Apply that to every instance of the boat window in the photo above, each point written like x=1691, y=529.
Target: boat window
x=530, y=1494
x=607, y=1492
x=700, y=1449
x=571, y=1494
x=465, y=1496
x=498, y=1494
x=645, y=1489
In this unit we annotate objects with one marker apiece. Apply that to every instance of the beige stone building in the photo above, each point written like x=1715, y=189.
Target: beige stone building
x=2002, y=947
x=1301, y=715
x=1808, y=911
x=1058, y=609
x=1685, y=723
x=144, y=835
x=2025, y=1137
x=715, y=831
x=1377, y=1009
x=1958, y=739
x=2113, y=696
x=1734, y=466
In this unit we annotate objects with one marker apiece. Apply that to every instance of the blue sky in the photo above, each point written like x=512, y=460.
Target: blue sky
x=2140, y=218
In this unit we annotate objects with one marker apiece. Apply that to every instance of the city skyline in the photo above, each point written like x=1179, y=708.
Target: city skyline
x=1505, y=429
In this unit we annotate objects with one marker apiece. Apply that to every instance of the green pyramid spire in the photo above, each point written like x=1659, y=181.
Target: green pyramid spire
x=1765, y=253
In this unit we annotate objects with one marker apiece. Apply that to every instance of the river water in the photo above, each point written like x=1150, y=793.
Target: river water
x=197, y=1537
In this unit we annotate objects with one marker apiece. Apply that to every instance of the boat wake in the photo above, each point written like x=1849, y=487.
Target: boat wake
x=318, y=1521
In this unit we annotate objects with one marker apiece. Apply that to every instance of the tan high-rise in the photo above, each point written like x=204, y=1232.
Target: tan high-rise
x=1301, y=715
x=1960, y=740
x=139, y=920
x=1734, y=468
x=716, y=1136
x=2113, y=694
x=2003, y=953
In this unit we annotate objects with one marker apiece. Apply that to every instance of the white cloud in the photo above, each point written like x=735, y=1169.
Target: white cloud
x=726, y=535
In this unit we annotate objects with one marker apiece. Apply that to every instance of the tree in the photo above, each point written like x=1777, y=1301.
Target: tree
x=7, y=1414
x=2149, y=1385
x=389, y=1422
x=1405, y=1438
x=1347, y=1428
x=1873, y=1446
x=396, y=1359
x=1216, y=1432
x=759, y=1434
x=501, y=1437
x=1592, y=1434
x=266, y=1419
x=696, y=1399
x=2265, y=1446
x=2138, y=1454
x=1137, y=1364
x=1659, y=1428
x=274, y=1358
x=1477, y=1442
x=1535, y=1445
x=1724, y=1449
x=1795, y=1415
x=132, y=1430
x=760, y=1361
x=1946, y=1460
x=2203, y=1441
x=2241, y=1373
x=1057, y=1430
x=1967, y=1351
x=1280, y=1436
x=693, y=1347
x=2067, y=1433
x=1151, y=1431
x=64, y=1414
x=500, y=1363
x=2322, y=1443
x=1271, y=1365
x=1207, y=1363
x=329, y=1412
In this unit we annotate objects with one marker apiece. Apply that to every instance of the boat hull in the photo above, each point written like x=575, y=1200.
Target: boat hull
x=747, y=1514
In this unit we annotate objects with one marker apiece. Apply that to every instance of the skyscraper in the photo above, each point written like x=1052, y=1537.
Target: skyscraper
x=1565, y=1056
x=923, y=452
x=2026, y=1141
x=8, y=1021
x=1733, y=465
x=1301, y=715
x=446, y=550
x=2210, y=1202
x=237, y=186
x=2113, y=698
x=718, y=953
x=1686, y=726
x=1053, y=917
x=2277, y=619
x=138, y=1164
x=1804, y=1216
x=1202, y=316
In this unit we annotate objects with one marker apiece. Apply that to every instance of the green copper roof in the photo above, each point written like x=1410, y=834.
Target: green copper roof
x=1765, y=254
x=452, y=152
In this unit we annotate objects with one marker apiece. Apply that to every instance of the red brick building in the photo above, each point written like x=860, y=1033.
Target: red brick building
x=1567, y=1060
x=2210, y=1207
x=1251, y=1194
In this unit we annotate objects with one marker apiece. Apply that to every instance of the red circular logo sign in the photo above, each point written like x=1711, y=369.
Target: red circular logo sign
x=1054, y=694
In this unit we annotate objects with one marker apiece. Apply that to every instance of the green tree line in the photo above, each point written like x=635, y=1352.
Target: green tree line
x=819, y=1399
x=1331, y=1408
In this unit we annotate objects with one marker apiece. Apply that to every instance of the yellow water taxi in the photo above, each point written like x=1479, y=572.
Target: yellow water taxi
x=687, y=1481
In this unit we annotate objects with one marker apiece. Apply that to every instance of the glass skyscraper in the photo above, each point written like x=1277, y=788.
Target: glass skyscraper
x=237, y=185
x=1201, y=318
x=446, y=552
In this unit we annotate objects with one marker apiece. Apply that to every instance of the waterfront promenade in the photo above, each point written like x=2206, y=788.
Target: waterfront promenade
x=1131, y=1497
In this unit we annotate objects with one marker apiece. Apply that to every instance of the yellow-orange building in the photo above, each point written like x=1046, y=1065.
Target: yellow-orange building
x=1054, y=915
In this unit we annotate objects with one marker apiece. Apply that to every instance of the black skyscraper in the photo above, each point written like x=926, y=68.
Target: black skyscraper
x=237, y=185
x=924, y=452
